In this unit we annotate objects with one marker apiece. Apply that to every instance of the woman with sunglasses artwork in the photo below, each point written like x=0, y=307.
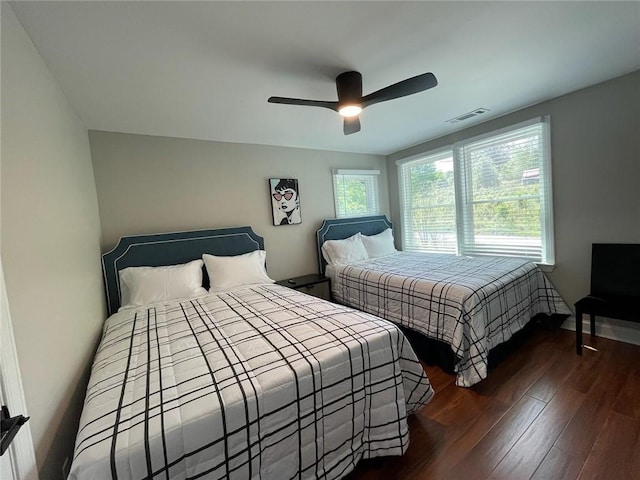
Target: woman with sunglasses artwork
x=286, y=203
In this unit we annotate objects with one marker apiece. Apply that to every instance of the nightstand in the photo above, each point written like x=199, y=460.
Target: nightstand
x=314, y=284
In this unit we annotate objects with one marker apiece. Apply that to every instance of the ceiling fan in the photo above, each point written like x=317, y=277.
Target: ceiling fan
x=351, y=102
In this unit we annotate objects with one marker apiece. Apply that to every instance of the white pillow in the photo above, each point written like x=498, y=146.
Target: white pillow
x=144, y=285
x=380, y=244
x=228, y=272
x=344, y=251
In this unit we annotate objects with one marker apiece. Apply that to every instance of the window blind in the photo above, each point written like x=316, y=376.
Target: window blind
x=503, y=193
x=427, y=198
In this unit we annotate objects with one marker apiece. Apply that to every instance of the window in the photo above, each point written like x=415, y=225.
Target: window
x=355, y=192
x=428, y=203
x=489, y=195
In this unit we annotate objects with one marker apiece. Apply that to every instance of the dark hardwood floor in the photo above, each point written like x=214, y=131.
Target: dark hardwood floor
x=543, y=413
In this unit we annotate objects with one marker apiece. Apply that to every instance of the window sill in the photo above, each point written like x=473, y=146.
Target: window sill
x=546, y=267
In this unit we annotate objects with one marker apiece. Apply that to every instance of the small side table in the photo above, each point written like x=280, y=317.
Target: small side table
x=313, y=284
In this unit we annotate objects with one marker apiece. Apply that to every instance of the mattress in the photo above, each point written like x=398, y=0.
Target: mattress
x=470, y=303
x=257, y=382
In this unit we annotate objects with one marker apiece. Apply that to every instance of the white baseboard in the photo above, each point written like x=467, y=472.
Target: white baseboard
x=619, y=330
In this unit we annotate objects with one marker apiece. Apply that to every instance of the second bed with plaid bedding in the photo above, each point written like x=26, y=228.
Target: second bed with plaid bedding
x=259, y=382
x=472, y=304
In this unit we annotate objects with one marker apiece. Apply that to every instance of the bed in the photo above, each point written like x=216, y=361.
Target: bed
x=250, y=381
x=470, y=304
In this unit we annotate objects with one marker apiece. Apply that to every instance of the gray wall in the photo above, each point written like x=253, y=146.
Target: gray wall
x=595, y=135
x=50, y=244
x=157, y=184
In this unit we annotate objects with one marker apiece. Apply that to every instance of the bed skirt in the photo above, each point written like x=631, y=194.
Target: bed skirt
x=436, y=353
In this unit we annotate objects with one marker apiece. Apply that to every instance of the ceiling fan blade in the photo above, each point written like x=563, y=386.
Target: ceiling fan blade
x=305, y=103
x=406, y=87
x=351, y=125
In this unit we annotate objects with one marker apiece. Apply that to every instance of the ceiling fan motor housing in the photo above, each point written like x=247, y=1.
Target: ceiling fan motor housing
x=349, y=86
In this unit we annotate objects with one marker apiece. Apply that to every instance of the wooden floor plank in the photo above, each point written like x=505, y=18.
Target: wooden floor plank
x=537, y=362
x=628, y=401
x=614, y=453
x=635, y=466
x=586, y=372
x=490, y=450
x=557, y=374
x=558, y=465
x=553, y=379
x=472, y=426
x=612, y=371
x=532, y=447
x=444, y=405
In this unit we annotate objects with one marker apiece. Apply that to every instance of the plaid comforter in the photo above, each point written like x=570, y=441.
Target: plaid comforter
x=261, y=382
x=473, y=304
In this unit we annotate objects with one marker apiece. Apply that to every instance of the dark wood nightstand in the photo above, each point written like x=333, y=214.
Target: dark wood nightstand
x=314, y=284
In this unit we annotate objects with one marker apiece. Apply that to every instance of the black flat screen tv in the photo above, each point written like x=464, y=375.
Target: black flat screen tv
x=615, y=270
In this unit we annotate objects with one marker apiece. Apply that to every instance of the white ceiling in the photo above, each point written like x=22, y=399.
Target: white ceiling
x=204, y=70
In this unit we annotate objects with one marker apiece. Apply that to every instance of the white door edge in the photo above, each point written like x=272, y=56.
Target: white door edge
x=21, y=453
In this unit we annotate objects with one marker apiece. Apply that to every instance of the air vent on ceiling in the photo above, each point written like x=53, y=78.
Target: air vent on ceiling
x=468, y=115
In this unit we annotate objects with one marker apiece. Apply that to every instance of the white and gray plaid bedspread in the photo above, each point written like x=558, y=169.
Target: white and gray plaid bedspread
x=262, y=382
x=473, y=304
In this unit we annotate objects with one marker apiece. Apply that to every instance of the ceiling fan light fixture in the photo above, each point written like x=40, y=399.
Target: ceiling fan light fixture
x=350, y=110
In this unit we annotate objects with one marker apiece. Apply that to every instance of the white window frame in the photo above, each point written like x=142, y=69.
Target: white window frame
x=462, y=200
x=370, y=179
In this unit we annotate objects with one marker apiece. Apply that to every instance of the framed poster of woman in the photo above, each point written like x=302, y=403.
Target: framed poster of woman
x=285, y=201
